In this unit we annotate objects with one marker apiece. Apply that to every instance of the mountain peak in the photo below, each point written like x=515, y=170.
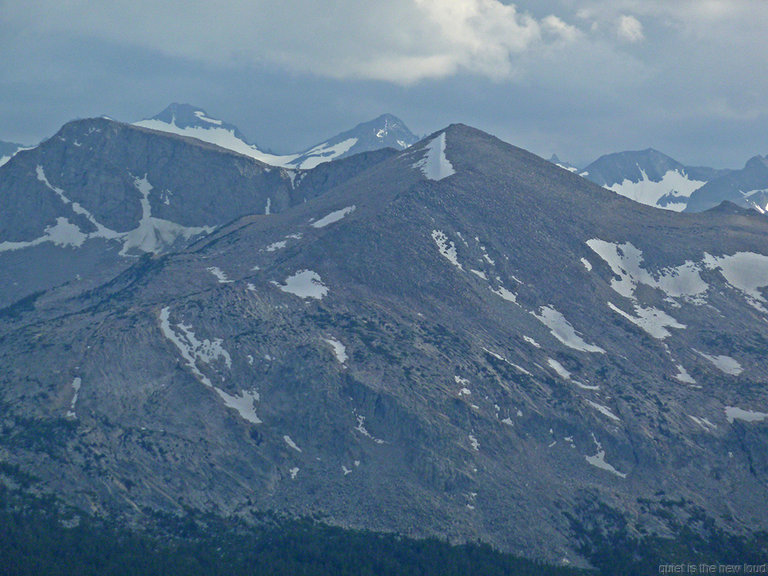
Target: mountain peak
x=187, y=116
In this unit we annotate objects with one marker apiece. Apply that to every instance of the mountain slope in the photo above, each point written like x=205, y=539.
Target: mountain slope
x=99, y=193
x=461, y=340
x=649, y=177
x=386, y=131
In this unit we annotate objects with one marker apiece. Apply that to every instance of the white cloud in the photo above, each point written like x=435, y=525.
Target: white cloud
x=401, y=41
x=630, y=29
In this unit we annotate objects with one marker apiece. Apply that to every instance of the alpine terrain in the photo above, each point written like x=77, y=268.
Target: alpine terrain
x=386, y=131
x=747, y=187
x=650, y=177
x=89, y=201
x=458, y=339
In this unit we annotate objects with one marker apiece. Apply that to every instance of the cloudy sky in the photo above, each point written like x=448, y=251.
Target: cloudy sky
x=579, y=78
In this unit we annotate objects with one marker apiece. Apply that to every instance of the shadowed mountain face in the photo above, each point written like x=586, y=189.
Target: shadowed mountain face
x=747, y=187
x=88, y=201
x=650, y=177
x=459, y=339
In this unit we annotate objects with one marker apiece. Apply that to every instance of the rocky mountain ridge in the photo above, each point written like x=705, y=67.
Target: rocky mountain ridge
x=458, y=339
x=99, y=193
x=386, y=131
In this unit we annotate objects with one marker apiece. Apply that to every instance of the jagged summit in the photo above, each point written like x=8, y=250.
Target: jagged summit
x=386, y=131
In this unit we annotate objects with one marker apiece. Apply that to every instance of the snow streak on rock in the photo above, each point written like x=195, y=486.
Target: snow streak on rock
x=76, y=383
x=652, y=320
x=563, y=331
x=434, y=165
x=333, y=217
x=155, y=234
x=195, y=351
x=339, y=350
x=446, y=247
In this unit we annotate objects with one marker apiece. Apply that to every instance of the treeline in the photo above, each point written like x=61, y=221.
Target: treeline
x=38, y=537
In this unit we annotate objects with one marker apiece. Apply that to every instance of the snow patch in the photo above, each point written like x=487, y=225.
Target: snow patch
x=339, y=350
x=333, y=217
x=674, y=185
x=652, y=320
x=506, y=294
x=725, y=364
x=626, y=262
x=733, y=413
x=362, y=429
x=704, y=423
x=446, y=247
x=474, y=442
x=598, y=460
x=220, y=136
x=291, y=443
x=155, y=234
x=304, y=284
x=563, y=331
x=194, y=351
x=324, y=152
x=586, y=264
x=294, y=472
x=201, y=115
x=559, y=368
x=604, y=410
x=531, y=341
x=244, y=403
x=219, y=274
x=63, y=234
x=434, y=165
x=76, y=383
x=503, y=359
x=747, y=272
x=683, y=376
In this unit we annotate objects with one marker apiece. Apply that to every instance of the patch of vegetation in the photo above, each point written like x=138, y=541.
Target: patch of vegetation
x=610, y=546
x=37, y=537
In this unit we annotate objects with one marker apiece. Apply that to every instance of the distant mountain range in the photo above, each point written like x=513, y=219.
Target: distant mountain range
x=457, y=339
x=386, y=131
x=8, y=149
x=655, y=179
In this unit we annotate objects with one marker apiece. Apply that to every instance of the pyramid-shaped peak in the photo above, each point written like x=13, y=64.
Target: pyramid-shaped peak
x=386, y=130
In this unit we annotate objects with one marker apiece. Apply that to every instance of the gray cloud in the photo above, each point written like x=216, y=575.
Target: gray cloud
x=399, y=41
x=576, y=77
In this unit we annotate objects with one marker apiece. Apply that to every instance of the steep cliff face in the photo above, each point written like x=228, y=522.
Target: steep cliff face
x=460, y=339
x=88, y=201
